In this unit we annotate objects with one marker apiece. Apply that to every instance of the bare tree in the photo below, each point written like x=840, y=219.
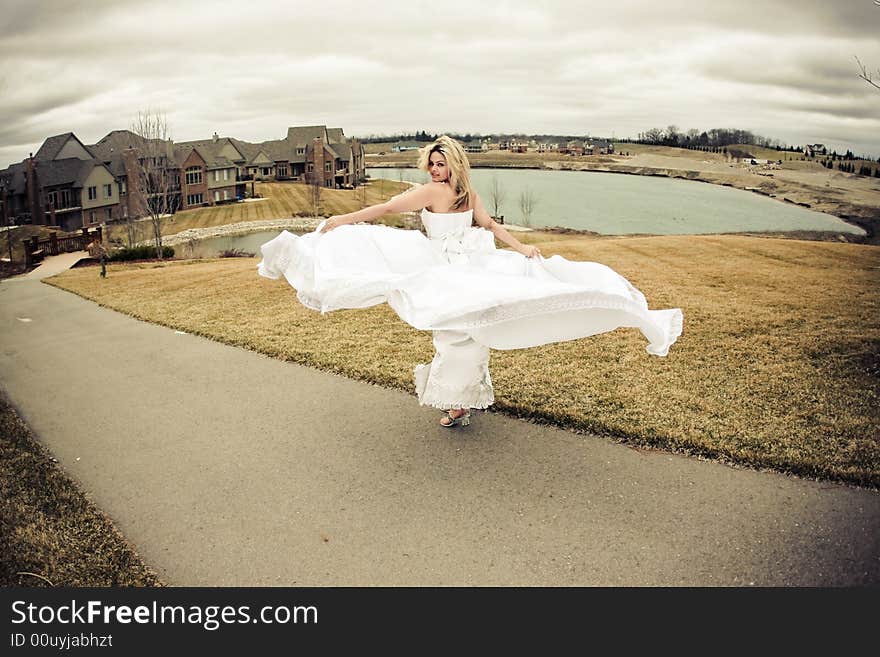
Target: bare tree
x=496, y=196
x=527, y=204
x=158, y=176
x=866, y=75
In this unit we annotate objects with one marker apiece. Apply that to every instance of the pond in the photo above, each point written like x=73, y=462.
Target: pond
x=616, y=204
x=211, y=247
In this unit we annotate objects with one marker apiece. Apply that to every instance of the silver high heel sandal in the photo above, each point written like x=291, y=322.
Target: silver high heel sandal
x=463, y=419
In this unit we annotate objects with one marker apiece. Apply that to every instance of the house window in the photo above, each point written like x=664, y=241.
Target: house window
x=216, y=196
x=193, y=176
x=328, y=183
x=217, y=175
x=310, y=167
x=65, y=198
x=93, y=193
x=122, y=187
x=282, y=169
x=52, y=199
x=109, y=214
x=327, y=167
x=225, y=174
x=194, y=199
x=267, y=171
x=300, y=151
x=108, y=191
x=225, y=194
x=92, y=215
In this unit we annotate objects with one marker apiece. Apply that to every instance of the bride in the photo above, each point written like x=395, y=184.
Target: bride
x=455, y=283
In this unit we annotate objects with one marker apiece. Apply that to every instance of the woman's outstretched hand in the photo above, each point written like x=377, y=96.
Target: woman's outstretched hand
x=530, y=251
x=331, y=223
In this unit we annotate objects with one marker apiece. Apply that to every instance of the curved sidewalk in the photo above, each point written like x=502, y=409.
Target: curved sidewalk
x=225, y=467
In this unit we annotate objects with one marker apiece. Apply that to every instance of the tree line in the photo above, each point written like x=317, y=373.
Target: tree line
x=424, y=136
x=714, y=138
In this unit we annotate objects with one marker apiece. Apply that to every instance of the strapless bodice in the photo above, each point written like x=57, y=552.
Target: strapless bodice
x=438, y=224
x=454, y=236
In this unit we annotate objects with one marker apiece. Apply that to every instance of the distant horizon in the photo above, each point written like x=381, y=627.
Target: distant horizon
x=390, y=135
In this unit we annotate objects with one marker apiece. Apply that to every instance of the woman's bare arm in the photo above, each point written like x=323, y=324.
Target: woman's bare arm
x=412, y=199
x=484, y=220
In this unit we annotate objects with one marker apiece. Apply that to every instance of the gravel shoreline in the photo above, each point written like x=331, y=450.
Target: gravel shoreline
x=296, y=224
x=299, y=224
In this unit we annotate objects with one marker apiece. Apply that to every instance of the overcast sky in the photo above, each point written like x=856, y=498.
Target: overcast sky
x=251, y=68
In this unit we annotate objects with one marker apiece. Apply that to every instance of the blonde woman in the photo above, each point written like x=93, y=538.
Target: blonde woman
x=455, y=283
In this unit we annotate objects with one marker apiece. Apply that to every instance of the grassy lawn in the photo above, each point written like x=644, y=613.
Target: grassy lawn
x=281, y=200
x=50, y=533
x=778, y=366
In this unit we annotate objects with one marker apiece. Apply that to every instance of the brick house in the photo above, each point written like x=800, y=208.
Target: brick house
x=294, y=157
x=193, y=177
x=122, y=152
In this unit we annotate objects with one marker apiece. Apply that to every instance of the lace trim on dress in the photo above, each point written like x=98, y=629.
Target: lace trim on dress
x=438, y=395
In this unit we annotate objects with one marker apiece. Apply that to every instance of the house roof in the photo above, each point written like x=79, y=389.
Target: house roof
x=14, y=178
x=116, y=164
x=69, y=171
x=114, y=143
x=341, y=150
x=210, y=151
x=181, y=152
x=53, y=145
x=279, y=150
x=304, y=135
x=249, y=150
x=335, y=135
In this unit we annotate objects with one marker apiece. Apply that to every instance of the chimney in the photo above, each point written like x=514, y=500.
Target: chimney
x=216, y=137
x=33, y=191
x=318, y=159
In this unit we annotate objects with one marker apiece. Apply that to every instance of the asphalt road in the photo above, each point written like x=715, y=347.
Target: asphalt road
x=225, y=467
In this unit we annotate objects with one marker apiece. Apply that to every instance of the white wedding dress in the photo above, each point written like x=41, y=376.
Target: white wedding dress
x=472, y=295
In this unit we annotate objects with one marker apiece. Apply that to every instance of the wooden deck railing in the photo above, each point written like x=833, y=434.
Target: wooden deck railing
x=35, y=249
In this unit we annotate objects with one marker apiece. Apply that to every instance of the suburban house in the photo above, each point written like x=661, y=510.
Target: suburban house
x=307, y=154
x=812, y=150
x=515, y=145
x=476, y=146
x=598, y=147
x=122, y=152
x=572, y=148
x=72, y=185
x=62, y=185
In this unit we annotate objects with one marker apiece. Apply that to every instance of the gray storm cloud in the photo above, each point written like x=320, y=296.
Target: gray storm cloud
x=783, y=68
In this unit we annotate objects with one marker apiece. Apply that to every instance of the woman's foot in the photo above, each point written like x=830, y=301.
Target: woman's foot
x=456, y=416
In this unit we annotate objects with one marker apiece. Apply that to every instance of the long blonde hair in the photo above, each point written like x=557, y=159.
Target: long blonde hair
x=458, y=165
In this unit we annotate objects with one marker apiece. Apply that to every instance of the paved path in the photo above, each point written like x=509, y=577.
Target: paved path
x=52, y=265
x=226, y=467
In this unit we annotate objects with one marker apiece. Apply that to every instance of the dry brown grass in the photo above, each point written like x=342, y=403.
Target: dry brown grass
x=50, y=533
x=281, y=200
x=778, y=365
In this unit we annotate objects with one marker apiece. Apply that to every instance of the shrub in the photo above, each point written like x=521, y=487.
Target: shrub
x=235, y=253
x=139, y=253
